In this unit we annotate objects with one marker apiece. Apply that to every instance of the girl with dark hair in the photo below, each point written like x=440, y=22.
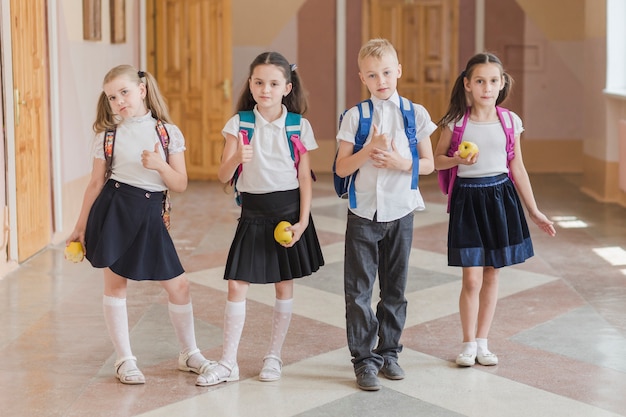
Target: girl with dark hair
x=272, y=189
x=487, y=228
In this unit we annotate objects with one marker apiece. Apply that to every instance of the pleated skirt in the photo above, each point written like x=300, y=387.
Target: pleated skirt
x=125, y=232
x=487, y=224
x=255, y=256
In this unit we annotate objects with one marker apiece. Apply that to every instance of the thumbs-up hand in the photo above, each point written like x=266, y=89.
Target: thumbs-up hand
x=152, y=159
x=244, y=150
x=380, y=141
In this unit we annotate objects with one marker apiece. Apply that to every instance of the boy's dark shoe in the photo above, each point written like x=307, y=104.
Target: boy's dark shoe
x=392, y=370
x=368, y=380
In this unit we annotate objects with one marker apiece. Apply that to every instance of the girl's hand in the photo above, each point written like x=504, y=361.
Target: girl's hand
x=390, y=159
x=244, y=151
x=297, y=229
x=471, y=159
x=543, y=222
x=153, y=159
x=76, y=236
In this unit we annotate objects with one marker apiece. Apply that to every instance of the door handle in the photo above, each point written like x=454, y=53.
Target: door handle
x=226, y=89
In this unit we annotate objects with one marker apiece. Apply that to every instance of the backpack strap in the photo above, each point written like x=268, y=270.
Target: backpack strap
x=164, y=137
x=366, y=110
x=408, y=115
x=108, y=145
x=292, y=130
x=246, y=125
x=506, y=120
x=455, y=141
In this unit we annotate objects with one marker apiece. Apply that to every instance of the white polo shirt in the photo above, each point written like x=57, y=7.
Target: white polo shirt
x=384, y=192
x=271, y=168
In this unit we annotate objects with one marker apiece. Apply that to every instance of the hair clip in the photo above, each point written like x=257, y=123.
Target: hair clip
x=463, y=74
x=141, y=74
x=293, y=67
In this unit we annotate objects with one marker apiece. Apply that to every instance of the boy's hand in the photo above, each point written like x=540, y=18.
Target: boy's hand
x=390, y=159
x=380, y=141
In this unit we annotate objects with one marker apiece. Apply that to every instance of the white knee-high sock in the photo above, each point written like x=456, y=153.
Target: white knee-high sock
x=280, y=325
x=116, y=319
x=234, y=319
x=181, y=317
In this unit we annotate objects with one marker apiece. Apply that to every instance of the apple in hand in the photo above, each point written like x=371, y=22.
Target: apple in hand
x=74, y=252
x=466, y=148
x=281, y=235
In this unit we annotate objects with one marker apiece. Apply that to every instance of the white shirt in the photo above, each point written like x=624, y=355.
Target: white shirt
x=383, y=192
x=491, y=141
x=271, y=168
x=132, y=137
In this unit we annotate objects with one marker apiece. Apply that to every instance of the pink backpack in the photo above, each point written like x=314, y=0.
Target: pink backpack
x=446, y=177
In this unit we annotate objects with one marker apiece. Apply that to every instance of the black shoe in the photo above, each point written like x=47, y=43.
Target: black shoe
x=392, y=370
x=368, y=380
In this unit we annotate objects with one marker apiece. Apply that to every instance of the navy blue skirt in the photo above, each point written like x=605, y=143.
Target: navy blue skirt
x=255, y=256
x=125, y=232
x=487, y=224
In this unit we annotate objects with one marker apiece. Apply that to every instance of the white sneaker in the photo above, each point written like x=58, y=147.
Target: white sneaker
x=487, y=359
x=466, y=359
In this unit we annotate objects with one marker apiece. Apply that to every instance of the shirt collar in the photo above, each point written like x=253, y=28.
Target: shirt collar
x=280, y=122
x=395, y=99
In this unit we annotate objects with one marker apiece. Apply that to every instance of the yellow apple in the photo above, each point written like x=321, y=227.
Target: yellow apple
x=74, y=252
x=281, y=235
x=466, y=148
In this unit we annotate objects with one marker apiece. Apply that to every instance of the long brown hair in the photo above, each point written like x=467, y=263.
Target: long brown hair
x=105, y=119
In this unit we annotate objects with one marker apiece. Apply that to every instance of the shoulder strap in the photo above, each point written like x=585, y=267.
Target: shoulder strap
x=408, y=115
x=366, y=109
x=164, y=137
x=246, y=125
x=108, y=145
x=506, y=119
x=292, y=130
x=457, y=133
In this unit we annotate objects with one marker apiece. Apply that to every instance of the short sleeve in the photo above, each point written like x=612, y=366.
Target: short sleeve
x=517, y=124
x=424, y=126
x=177, y=140
x=306, y=135
x=97, y=146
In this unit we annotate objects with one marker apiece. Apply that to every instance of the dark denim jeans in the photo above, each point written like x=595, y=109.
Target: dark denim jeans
x=372, y=247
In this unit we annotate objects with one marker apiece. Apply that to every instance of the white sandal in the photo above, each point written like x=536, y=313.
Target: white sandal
x=129, y=375
x=212, y=377
x=183, y=358
x=272, y=369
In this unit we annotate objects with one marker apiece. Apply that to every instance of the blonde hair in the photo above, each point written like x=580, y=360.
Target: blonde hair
x=155, y=102
x=377, y=48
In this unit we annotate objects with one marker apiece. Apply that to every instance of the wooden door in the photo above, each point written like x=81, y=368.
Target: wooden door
x=189, y=44
x=425, y=34
x=32, y=133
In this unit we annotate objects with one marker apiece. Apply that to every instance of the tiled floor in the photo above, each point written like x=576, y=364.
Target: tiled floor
x=559, y=330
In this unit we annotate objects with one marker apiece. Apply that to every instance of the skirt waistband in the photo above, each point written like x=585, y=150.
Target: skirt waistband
x=482, y=181
x=134, y=191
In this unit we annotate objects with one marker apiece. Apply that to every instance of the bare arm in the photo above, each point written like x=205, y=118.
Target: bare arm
x=442, y=160
x=348, y=161
x=94, y=187
x=306, y=196
x=234, y=154
x=524, y=188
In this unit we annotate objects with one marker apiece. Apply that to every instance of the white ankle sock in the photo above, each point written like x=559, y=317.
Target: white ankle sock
x=469, y=348
x=482, y=346
x=181, y=317
x=116, y=319
x=280, y=325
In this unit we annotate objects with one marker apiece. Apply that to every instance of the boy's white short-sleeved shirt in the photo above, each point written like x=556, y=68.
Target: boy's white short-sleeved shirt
x=271, y=168
x=132, y=137
x=384, y=192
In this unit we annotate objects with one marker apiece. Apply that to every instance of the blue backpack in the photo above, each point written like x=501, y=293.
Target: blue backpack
x=292, y=129
x=344, y=187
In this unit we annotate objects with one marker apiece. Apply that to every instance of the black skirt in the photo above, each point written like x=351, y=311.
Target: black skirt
x=125, y=232
x=487, y=224
x=255, y=256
